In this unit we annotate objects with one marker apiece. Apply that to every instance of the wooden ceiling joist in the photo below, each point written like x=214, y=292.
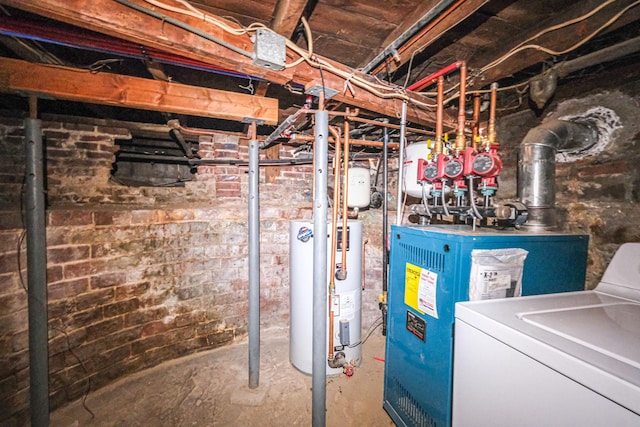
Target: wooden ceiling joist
x=132, y=92
x=113, y=18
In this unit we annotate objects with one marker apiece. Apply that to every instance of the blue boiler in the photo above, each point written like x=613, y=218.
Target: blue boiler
x=429, y=271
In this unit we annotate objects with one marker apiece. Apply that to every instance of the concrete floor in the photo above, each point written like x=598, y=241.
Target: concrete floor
x=210, y=389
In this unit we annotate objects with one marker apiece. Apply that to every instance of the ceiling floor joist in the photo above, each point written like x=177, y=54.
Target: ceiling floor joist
x=133, y=92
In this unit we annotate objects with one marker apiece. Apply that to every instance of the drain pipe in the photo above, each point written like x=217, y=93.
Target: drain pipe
x=536, y=167
x=36, y=270
x=319, y=343
x=254, y=260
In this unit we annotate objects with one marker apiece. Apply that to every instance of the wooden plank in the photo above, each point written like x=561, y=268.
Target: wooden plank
x=122, y=91
x=109, y=17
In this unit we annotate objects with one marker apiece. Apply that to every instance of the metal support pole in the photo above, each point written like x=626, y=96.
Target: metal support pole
x=254, y=262
x=320, y=300
x=385, y=229
x=403, y=129
x=36, y=275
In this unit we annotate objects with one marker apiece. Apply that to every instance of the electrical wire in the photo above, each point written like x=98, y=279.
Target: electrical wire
x=182, y=25
x=377, y=88
x=522, y=46
x=375, y=325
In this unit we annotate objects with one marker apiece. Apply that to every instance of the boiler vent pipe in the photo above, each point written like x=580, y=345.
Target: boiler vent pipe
x=320, y=301
x=536, y=166
x=36, y=275
x=254, y=261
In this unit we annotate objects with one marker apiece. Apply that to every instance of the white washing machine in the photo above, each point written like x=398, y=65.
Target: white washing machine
x=570, y=359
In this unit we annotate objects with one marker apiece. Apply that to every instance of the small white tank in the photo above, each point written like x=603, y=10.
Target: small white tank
x=359, y=187
x=414, y=152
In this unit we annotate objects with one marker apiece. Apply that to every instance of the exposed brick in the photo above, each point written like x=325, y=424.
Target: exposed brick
x=613, y=168
x=59, y=255
x=94, y=298
x=83, y=268
x=69, y=217
x=67, y=289
x=120, y=307
x=104, y=280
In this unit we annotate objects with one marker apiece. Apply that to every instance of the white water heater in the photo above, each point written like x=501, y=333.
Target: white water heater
x=347, y=301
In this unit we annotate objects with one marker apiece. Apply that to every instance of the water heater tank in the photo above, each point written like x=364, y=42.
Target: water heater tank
x=414, y=152
x=347, y=301
x=359, y=188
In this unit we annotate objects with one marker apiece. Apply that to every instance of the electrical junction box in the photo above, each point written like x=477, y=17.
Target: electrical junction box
x=269, y=49
x=430, y=269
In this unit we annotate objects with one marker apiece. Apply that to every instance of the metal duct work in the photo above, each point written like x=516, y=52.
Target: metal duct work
x=537, y=166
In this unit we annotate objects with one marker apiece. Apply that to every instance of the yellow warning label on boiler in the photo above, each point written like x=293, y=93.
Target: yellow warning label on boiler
x=420, y=289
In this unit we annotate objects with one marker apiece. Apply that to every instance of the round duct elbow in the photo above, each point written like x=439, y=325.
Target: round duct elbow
x=537, y=166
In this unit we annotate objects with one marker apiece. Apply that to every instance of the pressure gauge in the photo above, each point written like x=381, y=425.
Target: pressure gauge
x=483, y=164
x=430, y=171
x=453, y=168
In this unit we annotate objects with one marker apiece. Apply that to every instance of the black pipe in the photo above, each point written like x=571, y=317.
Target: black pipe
x=385, y=225
x=36, y=274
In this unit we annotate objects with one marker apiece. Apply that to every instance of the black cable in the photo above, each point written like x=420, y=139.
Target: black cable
x=376, y=324
x=183, y=26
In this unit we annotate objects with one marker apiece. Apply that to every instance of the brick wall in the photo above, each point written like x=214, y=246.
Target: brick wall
x=599, y=194
x=139, y=275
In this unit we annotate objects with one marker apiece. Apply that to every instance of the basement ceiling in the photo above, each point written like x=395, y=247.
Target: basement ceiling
x=389, y=45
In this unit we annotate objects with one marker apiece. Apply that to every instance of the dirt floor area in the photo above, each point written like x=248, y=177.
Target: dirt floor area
x=210, y=389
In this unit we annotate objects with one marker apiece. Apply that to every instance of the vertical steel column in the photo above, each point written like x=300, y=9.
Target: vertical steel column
x=254, y=262
x=36, y=274
x=403, y=131
x=320, y=300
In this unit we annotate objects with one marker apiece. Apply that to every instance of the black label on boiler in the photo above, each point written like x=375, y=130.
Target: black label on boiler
x=416, y=325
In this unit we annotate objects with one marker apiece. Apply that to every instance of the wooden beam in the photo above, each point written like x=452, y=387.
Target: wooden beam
x=122, y=91
x=442, y=23
x=286, y=16
x=109, y=17
x=556, y=40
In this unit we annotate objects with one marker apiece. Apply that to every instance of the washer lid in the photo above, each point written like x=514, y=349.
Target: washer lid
x=590, y=337
x=609, y=329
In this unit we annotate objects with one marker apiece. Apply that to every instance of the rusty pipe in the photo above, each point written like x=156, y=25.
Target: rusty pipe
x=461, y=142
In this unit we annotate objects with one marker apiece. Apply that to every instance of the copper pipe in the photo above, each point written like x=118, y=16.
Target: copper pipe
x=391, y=126
x=334, y=231
x=461, y=142
x=475, y=136
x=492, y=116
x=427, y=81
x=360, y=142
x=438, y=148
x=345, y=202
